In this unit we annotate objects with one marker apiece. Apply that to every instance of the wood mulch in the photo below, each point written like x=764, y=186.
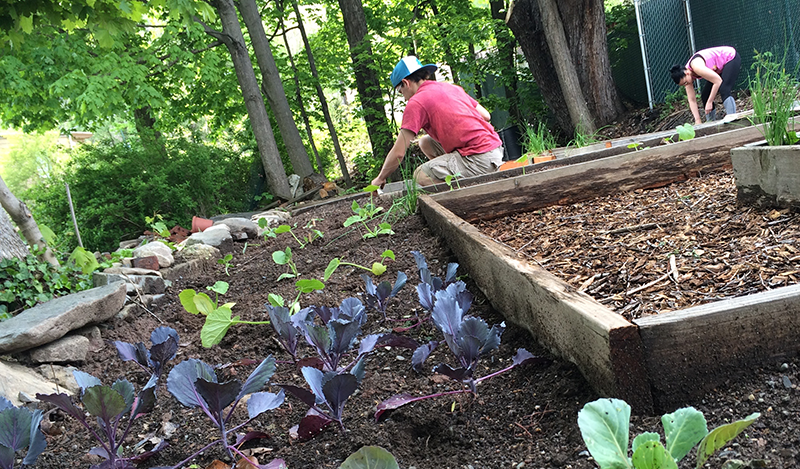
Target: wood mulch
x=651, y=251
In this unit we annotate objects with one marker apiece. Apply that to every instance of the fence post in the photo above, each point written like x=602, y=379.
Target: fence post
x=646, y=63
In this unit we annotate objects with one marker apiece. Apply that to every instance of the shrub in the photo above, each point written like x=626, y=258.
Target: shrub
x=114, y=186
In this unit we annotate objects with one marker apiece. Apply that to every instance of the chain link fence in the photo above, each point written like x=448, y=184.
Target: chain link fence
x=670, y=30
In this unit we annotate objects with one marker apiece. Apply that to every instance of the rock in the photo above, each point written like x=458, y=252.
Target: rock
x=129, y=243
x=60, y=375
x=72, y=348
x=200, y=251
x=273, y=217
x=95, y=337
x=218, y=236
x=50, y=321
x=240, y=226
x=158, y=249
x=147, y=284
x=18, y=379
x=149, y=262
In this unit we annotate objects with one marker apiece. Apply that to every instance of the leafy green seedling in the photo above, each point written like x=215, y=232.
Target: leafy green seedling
x=370, y=457
x=219, y=318
x=635, y=146
x=377, y=268
x=268, y=232
x=685, y=132
x=450, y=178
x=302, y=286
x=157, y=225
x=303, y=240
x=226, y=262
x=367, y=212
x=604, y=425
x=285, y=258
x=84, y=260
x=313, y=233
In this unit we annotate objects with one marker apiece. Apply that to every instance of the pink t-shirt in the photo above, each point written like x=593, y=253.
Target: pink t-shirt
x=447, y=113
x=715, y=57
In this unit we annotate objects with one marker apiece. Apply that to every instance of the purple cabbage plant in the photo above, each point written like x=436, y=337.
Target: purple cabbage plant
x=430, y=284
x=19, y=429
x=468, y=338
x=115, y=408
x=377, y=296
x=164, y=348
x=333, y=384
x=194, y=384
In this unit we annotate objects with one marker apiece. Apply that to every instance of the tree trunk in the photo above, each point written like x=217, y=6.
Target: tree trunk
x=506, y=46
x=259, y=120
x=273, y=88
x=565, y=69
x=367, y=81
x=22, y=217
x=321, y=95
x=582, y=22
x=11, y=244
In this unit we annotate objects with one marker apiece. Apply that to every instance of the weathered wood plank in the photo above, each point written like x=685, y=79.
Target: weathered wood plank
x=584, y=181
x=605, y=347
x=691, y=351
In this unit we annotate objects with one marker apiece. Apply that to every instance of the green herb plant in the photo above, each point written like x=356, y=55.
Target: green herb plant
x=538, y=140
x=366, y=213
x=285, y=258
x=28, y=281
x=157, y=225
x=604, y=425
x=268, y=232
x=226, y=262
x=219, y=318
x=302, y=286
x=377, y=268
x=773, y=92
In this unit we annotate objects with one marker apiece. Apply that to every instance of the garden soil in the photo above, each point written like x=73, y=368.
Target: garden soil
x=525, y=418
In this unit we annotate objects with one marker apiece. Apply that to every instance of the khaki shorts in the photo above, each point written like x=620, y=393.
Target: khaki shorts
x=452, y=164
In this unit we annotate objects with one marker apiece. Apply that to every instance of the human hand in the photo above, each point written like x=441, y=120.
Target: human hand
x=379, y=181
x=698, y=121
x=709, y=107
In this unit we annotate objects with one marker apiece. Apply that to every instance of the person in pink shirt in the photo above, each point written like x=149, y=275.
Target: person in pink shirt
x=720, y=67
x=459, y=141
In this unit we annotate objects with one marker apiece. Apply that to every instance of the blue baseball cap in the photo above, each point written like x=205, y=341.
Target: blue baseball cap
x=406, y=66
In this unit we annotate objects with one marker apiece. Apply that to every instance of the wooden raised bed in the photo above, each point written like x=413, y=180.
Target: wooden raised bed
x=654, y=363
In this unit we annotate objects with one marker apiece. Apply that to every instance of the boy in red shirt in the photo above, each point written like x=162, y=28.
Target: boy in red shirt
x=460, y=139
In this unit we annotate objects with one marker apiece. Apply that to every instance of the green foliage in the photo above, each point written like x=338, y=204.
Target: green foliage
x=84, y=260
x=377, y=268
x=114, y=186
x=365, y=213
x=450, y=178
x=773, y=92
x=370, y=457
x=604, y=425
x=157, y=225
x=302, y=286
x=620, y=28
x=226, y=262
x=32, y=160
x=219, y=318
x=673, y=101
x=685, y=132
x=538, y=140
x=27, y=282
x=285, y=258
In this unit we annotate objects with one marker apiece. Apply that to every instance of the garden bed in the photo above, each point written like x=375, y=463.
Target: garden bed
x=618, y=357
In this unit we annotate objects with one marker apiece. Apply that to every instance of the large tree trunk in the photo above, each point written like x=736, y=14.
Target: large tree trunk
x=583, y=24
x=22, y=217
x=145, y=126
x=367, y=81
x=259, y=120
x=11, y=244
x=273, y=88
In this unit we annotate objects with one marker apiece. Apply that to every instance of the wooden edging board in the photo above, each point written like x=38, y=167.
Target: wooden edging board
x=605, y=347
x=656, y=363
x=596, y=178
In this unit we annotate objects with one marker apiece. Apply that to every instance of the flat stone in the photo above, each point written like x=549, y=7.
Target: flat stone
x=158, y=249
x=240, y=226
x=147, y=284
x=72, y=348
x=60, y=375
x=218, y=236
x=50, y=321
x=94, y=335
x=16, y=379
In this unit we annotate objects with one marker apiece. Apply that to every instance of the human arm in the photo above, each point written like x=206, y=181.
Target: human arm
x=700, y=69
x=483, y=112
x=692, y=97
x=395, y=157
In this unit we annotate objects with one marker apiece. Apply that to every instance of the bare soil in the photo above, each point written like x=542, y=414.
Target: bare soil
x=651, y=251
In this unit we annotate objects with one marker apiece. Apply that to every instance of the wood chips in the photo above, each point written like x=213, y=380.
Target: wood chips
x=651, y=251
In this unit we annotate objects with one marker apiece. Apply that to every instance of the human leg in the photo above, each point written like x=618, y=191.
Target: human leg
x=729, y=74
x=430, y=147
x=704, y=94
x=453, y=164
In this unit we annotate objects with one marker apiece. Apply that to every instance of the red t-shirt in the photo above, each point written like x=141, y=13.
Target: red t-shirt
x=447, y=113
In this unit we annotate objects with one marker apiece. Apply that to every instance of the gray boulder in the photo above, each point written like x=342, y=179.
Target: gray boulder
x=218, y=236
x=158, y=249
x=200, y=251
x=69, y=349
x=49, y=321
x=239, y=227
x=16, y=380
